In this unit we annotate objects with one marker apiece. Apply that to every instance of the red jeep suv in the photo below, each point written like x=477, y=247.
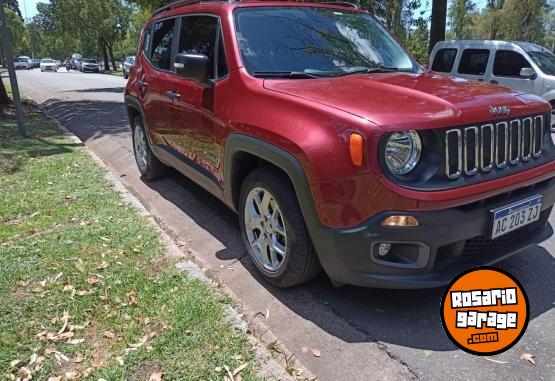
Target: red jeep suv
x=336, y=149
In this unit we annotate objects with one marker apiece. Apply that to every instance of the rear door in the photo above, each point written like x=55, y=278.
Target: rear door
x=506, y=71
x=155, y=77
x=444, y=60
x=473, y=64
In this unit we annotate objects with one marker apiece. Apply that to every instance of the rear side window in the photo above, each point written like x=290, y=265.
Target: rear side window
x=162, y=37
x=146, y=42
x=198, y=36
x=444, y=60
x=474, y=61
x=508, y=63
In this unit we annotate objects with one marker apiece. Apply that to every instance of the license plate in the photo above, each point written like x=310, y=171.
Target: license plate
x=514, y=216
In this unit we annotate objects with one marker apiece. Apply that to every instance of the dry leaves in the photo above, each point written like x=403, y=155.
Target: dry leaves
x=102, y=265
x=158, y=376
x=315, y=352
x=528, y=357
x=132, y=295
x=94, y=279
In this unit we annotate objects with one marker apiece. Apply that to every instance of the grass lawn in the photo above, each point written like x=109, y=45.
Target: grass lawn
x=85, y=288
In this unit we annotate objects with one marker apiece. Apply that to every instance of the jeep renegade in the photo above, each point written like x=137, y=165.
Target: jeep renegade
x=336, y=149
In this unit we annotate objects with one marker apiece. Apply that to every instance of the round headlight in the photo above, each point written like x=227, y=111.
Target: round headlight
x=402, y=152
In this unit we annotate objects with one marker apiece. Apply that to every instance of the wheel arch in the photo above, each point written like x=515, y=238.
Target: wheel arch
x=245, y=153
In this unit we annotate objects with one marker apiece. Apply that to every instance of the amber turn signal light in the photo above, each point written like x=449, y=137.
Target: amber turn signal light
x=356, y=144
x=400, y=221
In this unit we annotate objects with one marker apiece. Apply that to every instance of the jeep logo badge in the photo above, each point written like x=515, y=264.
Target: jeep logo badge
x=500, y=110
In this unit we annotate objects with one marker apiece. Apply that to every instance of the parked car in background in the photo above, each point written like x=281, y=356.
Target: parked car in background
x=75, y=61
x=88, y=64
x=48, y=64
x=22, y=63
x=129, y=61
x=346, y=155
x=35, y=63
x=520, y=66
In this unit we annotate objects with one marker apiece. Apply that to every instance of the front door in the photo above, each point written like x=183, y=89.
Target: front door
x=193, y=121
x=474, y=64
x=506, y=71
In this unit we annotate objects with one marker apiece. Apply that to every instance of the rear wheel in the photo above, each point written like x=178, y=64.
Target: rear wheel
x=148, y=164
x=274, y=231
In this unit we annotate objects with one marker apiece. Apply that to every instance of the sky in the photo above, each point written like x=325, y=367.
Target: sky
x=29, y=7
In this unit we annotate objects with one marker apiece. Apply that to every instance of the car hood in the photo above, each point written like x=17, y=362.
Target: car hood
x=407, y=100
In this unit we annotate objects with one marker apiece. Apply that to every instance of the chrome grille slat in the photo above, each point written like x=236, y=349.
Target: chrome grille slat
x=482, y=148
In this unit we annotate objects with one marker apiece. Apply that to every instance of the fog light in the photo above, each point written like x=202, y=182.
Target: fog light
x=400, y=221
x=384, y=249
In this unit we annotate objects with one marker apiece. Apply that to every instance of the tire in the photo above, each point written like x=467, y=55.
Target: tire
x=150, y=167
x=299, y=264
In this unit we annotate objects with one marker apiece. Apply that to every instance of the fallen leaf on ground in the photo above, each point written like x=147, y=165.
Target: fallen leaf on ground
x=70, y=376
x=77, y=359
x=132, y=295
x=239, y=369
x=315, y=352
x=109, y=334
x=15, y=363
x=76, y=341
x=65, y=319
x=102, y=265
x=528, y=357
x=158, y=376
x=94, y=279
x=85, y=292
x=54, y=379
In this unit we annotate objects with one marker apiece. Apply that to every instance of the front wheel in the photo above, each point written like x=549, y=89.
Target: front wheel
x=274, y=231
x=148, y=164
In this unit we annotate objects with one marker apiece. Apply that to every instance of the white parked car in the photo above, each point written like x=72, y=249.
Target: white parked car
x=22, y=63
x=517, y=65
x=48, y=64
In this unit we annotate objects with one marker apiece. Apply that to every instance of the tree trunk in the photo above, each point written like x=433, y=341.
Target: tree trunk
x=4, y=99
x=105, y=53
x=111, y=51
x=438, y=22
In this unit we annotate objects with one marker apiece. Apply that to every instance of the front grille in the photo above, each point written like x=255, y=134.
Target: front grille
x=475, y=149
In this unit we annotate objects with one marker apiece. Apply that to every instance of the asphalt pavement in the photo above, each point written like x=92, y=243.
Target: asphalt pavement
x=362, y=334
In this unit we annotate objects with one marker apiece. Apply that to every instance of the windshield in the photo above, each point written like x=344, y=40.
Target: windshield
x=315, y=40
x=47, y=61
x=89, y=61
x=546, y=61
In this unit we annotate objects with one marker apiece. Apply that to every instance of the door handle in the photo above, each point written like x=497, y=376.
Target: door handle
x=495, y=82
x=142, y=83
x=173, y=95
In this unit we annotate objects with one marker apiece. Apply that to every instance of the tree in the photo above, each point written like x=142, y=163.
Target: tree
x=417, y=42
x=522, y=20
x=438, y=22
x=460, y=18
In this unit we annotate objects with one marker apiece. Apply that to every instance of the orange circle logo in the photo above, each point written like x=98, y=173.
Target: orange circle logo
x=485, y=311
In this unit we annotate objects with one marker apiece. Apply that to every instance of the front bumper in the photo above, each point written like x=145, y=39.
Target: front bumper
x=90, y=68
x=445, y=243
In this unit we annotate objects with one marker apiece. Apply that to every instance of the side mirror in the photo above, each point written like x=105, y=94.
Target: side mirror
x=527, y=72
x=194, y=67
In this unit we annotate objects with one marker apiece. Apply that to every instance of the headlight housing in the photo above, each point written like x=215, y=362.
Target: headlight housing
x=402, y=152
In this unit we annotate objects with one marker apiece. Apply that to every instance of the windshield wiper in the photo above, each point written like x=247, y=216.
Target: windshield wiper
x=284, y=74
x=366, y=70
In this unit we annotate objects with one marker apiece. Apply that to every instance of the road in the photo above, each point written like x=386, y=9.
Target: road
x=362, y=333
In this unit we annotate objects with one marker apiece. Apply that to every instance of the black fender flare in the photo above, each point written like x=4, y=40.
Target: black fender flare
x=239, y=143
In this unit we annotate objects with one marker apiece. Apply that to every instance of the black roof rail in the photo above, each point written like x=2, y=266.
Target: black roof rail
x=345, y=4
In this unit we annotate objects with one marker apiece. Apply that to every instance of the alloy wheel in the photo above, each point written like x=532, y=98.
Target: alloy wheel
x=139, y=141
x=265, y=229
